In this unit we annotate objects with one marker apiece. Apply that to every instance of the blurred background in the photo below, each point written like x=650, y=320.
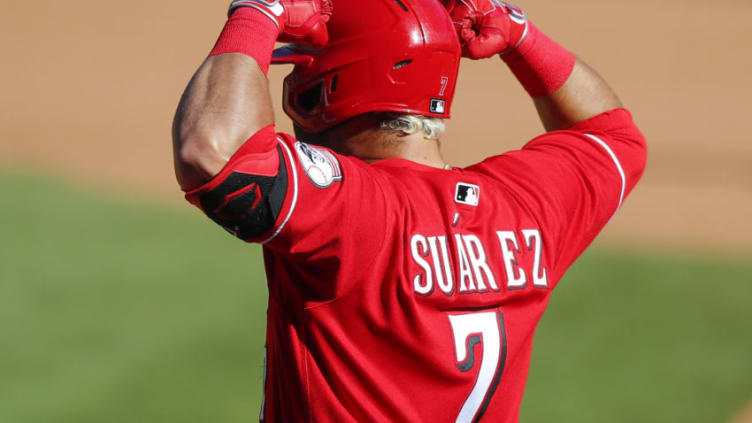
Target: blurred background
x=117, y=302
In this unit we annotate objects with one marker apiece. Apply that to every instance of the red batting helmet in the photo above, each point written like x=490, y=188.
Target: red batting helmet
x=382, y=55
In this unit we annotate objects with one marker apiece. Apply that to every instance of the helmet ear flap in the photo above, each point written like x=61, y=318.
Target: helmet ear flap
x=304, y=103
x=311, y=98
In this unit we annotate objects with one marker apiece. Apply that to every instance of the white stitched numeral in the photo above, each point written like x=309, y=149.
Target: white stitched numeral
x=486, y=328
x=444, y=83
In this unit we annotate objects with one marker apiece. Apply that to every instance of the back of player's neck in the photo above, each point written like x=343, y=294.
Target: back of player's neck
x=414, y=148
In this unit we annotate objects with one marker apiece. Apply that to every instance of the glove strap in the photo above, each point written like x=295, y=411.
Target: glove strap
x=272, y=9
x=249, y=31
x=540, y=64
x=520, y=24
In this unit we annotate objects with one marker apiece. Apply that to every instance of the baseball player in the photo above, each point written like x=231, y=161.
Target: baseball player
x=401, y=289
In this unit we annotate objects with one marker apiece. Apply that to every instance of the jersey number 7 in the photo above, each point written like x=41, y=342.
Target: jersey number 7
x=486, y=328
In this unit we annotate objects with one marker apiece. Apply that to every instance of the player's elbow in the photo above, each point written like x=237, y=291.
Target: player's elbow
x=197, y=159
x=636, y=154
x=643, y=146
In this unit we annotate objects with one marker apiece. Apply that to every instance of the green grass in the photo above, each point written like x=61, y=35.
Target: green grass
x=118, y=312
x=630, y=339
x=113, y=310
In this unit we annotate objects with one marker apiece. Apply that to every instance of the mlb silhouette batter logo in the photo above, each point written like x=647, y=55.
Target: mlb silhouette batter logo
x=467, y=194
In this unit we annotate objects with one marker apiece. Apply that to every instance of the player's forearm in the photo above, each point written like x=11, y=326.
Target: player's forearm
x=565, y=90
x=583, y=96
x=226, y=102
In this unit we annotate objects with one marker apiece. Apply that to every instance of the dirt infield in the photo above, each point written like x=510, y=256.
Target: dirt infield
x=90, y=91
x=745, y=416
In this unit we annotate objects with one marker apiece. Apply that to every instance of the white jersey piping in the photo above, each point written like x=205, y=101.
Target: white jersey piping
x=618, y=166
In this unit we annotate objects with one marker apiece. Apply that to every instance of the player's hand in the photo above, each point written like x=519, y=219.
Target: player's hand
x=487, y=27
x=299, y=21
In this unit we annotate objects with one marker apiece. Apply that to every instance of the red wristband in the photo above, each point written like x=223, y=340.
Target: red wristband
x=540, y=64
x=250, y=32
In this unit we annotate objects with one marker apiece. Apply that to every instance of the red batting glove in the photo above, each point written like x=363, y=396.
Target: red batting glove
x=487, y=27
x=298, y=21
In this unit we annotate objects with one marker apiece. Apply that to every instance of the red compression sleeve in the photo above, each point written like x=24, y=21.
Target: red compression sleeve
x=250, y=32
x=540, y=64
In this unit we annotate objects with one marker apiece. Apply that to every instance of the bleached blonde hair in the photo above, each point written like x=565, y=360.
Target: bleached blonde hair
x=431, y=127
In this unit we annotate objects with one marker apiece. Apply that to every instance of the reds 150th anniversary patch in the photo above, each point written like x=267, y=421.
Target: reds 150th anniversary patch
x=320, y=165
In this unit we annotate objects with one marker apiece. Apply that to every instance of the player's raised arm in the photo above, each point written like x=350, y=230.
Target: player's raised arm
x=576, y=176
x=565, y=90
x=227, y=100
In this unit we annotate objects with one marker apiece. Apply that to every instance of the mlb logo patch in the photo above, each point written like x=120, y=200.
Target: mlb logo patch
x=438, y=106
x=467, y=194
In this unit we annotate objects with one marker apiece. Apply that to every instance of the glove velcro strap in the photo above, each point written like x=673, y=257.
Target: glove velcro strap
x=272, y=10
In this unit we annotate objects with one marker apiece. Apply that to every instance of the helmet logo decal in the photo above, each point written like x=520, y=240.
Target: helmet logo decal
x=444, y=83
x=438, y=106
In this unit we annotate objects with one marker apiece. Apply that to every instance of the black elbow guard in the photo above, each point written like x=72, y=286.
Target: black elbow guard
x=244, y=203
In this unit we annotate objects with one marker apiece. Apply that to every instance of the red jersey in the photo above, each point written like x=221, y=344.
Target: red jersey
x=404, y=293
